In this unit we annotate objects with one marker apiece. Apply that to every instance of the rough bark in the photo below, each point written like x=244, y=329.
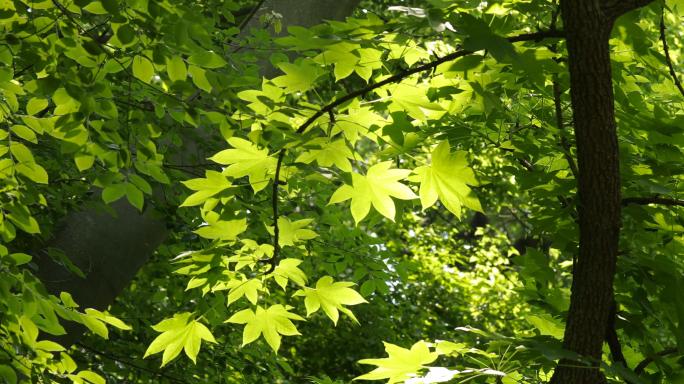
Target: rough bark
x=110, y=249
x=587, y=25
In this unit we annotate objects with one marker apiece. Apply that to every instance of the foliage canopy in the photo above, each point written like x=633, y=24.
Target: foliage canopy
x=412, y=168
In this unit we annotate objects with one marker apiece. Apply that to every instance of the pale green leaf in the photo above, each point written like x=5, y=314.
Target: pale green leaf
x=376, y=188
x=331, y=297
x=36, y=105
x=246, y=159
x=333, y=153
x=272, y=323
x=400, y=363
x=143, y=68
x=175, y=67
x=179, y=333
x=207, y=59
x=299, y=77
x=288, y=269
x=199, y=78
x=223, y=230
x=96, y=8
x=447, y=178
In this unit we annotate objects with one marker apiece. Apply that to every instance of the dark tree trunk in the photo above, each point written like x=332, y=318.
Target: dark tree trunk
x=587, y=25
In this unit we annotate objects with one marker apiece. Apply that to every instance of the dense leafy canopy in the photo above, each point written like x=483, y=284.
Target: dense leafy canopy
x=412, y=167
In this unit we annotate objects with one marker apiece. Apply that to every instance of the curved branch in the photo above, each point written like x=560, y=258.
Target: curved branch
x=130, y=364
x=644, y=363
x=652, y=200
x=250, y=15
x=613, y=341
x=666, y=50
x=536, y=36
x=330, y=108
x=616, y=8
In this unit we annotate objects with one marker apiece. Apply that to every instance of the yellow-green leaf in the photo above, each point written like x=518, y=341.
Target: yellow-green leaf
x=400, y=363
x=176, y=69
x=271, y=323
x=143, y=68
x=245, y=159
x=377, y=187
x=180, y=333
x=36, y=105
x=447, y=178
x=332, y=297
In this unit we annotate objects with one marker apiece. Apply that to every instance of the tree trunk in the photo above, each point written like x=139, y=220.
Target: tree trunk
x=587, y=25
x=111, y=249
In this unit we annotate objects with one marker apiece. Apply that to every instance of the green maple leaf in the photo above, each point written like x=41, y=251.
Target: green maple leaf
x=343, y=57
x=179, y=333
x=377, y=187
x=246, y=159
x=412, y=99
x=332, y=297
x=248, y=288
x=271, y=323
x=400, y=363
x=298, y=77
x=447, y=178
x=291, y=232
x=288, y=269
x=222, y=230
x=357, y=122
x=333, y=153
x=214, y=183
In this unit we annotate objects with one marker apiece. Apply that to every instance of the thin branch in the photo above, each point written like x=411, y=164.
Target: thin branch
x=653, y=200
x=537, y=36
x=613, y=9
x=246, y=21
x=330, y=108
x=565, y=144
x=274, y=203
x=666, y=50
x=130, y=364
x=644, y=363
x=251, y=14
x=613, y=341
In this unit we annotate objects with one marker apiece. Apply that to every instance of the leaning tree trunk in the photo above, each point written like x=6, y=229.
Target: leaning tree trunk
x=111, y=249
x=587, y=25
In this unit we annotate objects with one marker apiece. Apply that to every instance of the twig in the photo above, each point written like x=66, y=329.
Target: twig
x=652, y=200
x=565, y=144
x=130, y=364
x=613, y=341
x=537, y=36
x=246, y=21
x=613, y=9
x=274, y=203
x=644, y=363
x=250, y=15
x=666, y=50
